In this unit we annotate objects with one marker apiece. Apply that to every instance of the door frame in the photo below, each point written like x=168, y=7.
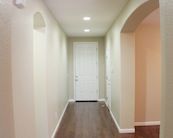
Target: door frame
x=74, y=66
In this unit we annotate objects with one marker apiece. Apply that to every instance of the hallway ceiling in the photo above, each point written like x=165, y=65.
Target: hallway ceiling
x=70, y=13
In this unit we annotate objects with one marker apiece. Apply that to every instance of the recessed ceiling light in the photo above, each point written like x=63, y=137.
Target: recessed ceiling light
x=86, y=30
x=86, y=18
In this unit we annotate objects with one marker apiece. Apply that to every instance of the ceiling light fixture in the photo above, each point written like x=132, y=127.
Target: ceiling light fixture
x=86, y=30
x=86, y=18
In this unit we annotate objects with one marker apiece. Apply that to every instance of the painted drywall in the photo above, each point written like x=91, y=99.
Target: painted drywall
x=127, y=79
x=167, y=68
x=122, y=91
x=6, y=105
x=101, y=47
x=40, y=86
x=57, y=70
x=148, y=73
x=114, y=51
x=22, y=92
x=23, y=70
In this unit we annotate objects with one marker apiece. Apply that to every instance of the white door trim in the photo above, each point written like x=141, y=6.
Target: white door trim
x=74, y=67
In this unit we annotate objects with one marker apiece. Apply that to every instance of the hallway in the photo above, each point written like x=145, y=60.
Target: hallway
x=56, y=52
x=93, y=120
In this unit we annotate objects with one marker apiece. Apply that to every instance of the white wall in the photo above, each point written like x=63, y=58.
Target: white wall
x=115, y=73
x=101, y=47
x=40, y=80
x=122, y=90
x=127, y=80
x=57, y=74
x=167, y=68
x=19, y=59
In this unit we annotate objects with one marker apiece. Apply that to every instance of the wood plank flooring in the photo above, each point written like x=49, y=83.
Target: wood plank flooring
x=93, y=120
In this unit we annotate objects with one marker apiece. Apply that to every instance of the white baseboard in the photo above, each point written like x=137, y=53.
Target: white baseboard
x=128, y=130
x=71, y=100
x=59, y=121
x=102, y=100
x=151, y=123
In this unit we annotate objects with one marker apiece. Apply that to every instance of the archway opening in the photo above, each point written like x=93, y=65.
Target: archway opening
x=148, y=71
x=128, y=55
x=39, y=22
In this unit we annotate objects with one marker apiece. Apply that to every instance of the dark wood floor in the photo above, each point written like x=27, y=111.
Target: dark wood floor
x=93, y=120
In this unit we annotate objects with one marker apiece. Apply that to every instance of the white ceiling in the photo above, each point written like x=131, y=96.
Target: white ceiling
x=69, y=14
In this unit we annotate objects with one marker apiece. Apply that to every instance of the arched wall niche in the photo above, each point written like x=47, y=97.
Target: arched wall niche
x=39, y=22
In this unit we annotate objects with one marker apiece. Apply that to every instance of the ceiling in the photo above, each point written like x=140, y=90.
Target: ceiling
x=70, y=13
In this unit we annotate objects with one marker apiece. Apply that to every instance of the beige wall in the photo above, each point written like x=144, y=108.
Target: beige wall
x=101, y=46
x=40, y=80
x=55, y=63
x=20, y=88
x=6, y=106
x=127, y=80
x=167, y=68
x=148, y=73
x=121, y=52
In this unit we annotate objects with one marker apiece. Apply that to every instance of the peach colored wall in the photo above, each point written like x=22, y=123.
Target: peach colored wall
x=148, y=73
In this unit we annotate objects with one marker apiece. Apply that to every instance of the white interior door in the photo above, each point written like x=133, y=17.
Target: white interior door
x=86, y=71
x=108, y=78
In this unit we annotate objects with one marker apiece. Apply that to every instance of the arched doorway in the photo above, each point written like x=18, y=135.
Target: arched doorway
x=148, y=71
x=127, y=43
